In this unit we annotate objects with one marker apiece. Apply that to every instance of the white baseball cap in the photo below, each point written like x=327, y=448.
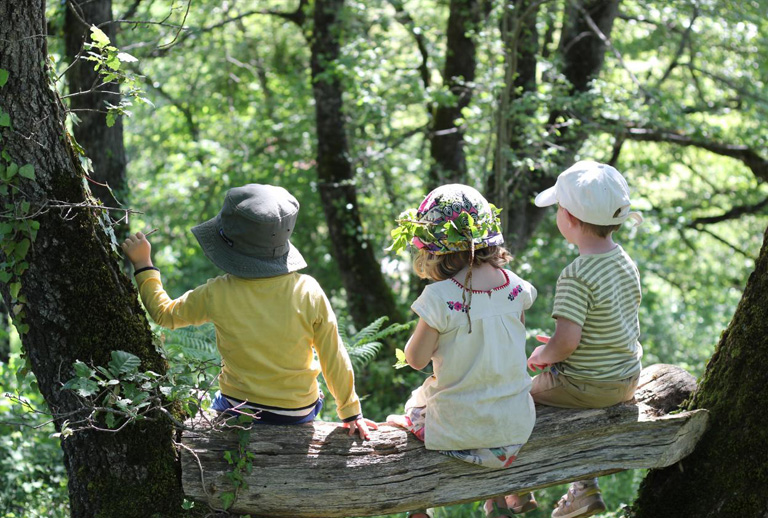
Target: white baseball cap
x=593, y=192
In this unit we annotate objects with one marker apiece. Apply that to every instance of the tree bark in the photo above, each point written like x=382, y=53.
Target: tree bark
x=102, y=144
x=73, y=296
x=325, y=473
x=5, y=337
x=368, y=294
x=446, y=136
x=726, y=475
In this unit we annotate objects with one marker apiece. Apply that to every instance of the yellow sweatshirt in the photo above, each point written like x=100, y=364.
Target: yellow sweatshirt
x=266, y=330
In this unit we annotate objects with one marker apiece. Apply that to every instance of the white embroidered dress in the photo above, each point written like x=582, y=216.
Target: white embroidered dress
x=478, y=396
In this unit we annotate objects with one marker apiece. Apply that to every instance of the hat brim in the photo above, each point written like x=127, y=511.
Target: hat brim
x=547, y=197
x=240, y=265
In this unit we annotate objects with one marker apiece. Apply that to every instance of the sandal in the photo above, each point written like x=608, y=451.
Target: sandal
x=524, y=503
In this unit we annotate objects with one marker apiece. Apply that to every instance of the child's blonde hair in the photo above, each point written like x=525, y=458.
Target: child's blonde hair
x=440, y=267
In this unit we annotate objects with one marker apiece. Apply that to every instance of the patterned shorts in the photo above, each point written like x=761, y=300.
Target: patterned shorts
x=501, y=457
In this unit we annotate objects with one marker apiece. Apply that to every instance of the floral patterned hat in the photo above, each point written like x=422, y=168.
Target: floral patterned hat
x=452, y=218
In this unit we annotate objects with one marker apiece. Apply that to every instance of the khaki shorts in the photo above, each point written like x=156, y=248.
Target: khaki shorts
x=555, y=389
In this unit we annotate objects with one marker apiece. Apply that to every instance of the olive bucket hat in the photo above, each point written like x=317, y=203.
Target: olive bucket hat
x=249, y=236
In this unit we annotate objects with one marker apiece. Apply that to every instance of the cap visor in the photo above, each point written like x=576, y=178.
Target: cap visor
x=546, y=198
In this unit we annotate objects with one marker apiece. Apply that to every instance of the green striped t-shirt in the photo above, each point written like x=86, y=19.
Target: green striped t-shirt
x=601, y=293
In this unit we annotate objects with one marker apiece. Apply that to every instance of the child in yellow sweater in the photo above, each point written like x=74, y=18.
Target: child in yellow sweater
x=270, y=320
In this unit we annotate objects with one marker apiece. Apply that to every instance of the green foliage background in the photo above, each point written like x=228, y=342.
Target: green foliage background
x=233, y=105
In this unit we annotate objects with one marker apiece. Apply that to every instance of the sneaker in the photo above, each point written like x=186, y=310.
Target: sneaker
x=580, y=501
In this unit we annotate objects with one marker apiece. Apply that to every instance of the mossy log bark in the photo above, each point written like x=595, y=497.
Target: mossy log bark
x=727, y=474
x=74, y=297
x=319, y=471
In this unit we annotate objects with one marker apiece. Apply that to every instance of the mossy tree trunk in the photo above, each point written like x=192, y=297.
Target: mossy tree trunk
x=368, y=294
x=103, y=144
x=73, y=297
x=727, y=474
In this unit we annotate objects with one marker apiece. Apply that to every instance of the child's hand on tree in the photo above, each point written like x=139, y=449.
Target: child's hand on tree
x=138, y=250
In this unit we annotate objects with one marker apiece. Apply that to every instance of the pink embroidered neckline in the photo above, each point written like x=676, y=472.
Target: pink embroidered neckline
x=497, y=288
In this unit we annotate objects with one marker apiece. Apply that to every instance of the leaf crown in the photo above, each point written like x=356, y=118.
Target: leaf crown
x=450, y=219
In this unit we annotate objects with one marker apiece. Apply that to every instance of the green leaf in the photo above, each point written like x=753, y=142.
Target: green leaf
x=5, y=276
x=82, y=370
x=11, y=171
x=5, y=119
x=123, y=363
x=400, y=355
x=227, y=499
x=27, y=171
x=111, y=119
x=83, y=386
x=3, y=77
x=22, y=248
x=99, y=38
x=110, y=420
x=113, y=62
x=14, y=287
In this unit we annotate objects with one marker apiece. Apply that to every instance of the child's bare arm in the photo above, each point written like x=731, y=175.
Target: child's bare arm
x=421, y=346
x=559, y=347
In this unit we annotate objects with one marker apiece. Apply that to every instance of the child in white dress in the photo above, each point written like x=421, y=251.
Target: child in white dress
x=476, y=407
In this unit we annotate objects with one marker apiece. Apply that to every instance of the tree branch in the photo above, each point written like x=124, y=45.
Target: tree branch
x=756, y=163
x=734, y=213
x=406, y=20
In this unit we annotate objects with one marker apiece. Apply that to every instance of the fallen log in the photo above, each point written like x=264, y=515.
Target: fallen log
x=318, y=471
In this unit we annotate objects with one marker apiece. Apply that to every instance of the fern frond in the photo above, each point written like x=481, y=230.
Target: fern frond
x=369, y=332
x=363, y=354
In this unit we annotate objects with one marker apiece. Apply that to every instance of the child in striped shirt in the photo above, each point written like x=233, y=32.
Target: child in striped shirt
x=594, y=354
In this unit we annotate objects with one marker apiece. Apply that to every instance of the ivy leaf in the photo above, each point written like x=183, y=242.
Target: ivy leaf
x=3, y=77
x=22, y=248
x=227, y=499
x=5, y=119
x=123, y=363
x=110, y=420
x=27, y=171
x=14, y=287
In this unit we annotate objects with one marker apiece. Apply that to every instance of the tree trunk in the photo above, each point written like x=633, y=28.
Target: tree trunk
x=5, y=336
x=368, y=294
x=102, y=144
x=446, y=137
x=726, y=475
x=582, y=53
x=324, y=472
x=69, y=297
